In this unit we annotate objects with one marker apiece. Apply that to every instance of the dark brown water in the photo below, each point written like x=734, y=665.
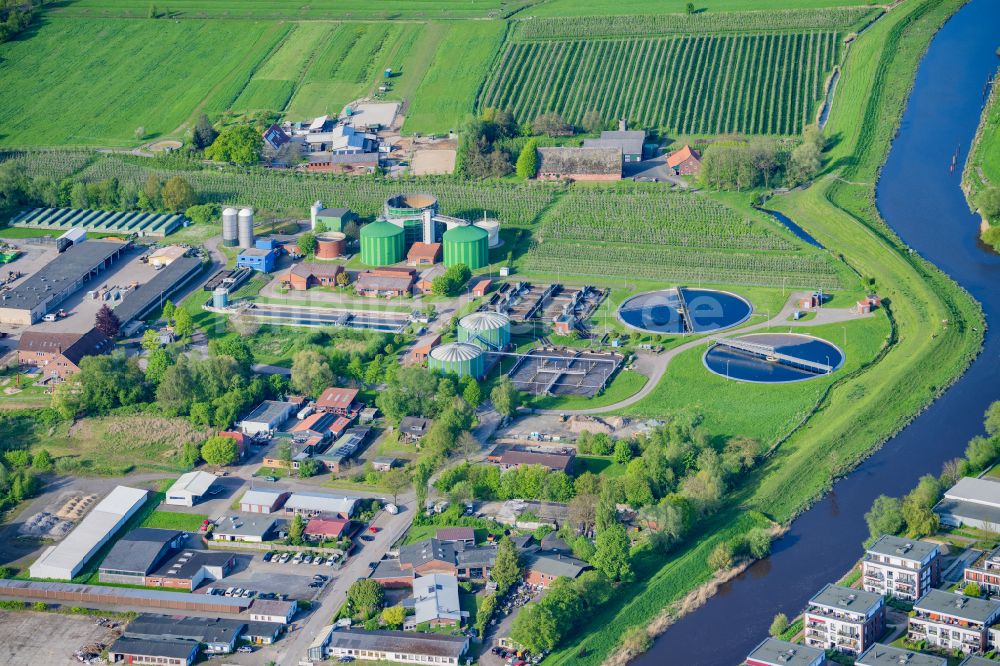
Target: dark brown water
x=920, y=198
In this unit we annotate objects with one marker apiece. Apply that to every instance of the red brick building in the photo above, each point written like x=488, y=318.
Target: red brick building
x=59, y=354
x=684, y=162
x=303, y=276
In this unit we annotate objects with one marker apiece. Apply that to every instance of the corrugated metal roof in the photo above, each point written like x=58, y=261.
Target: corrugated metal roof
x=197, y=483
x=978, y=491
x=484, y=321
x=456, y=352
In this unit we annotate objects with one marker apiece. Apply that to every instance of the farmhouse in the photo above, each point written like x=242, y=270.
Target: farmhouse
x=59, y=354
x=65, y=560
x=580, y=163
x=189, y=488
x=629, y=142
x=507, y=457
x=29, y=301
x=341, y=140
x=684, y=162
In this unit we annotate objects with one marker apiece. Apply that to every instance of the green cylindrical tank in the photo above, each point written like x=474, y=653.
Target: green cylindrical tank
x=460, y=358
x=410, y=205
x=466, y=245
x=489, y=330
x=381, y=244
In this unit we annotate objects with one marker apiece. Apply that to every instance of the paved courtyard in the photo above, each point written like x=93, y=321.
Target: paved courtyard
x=29, y=638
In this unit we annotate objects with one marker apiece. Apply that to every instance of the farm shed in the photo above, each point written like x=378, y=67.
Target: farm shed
x=684, y=162
x=580, y=163
x=67, y=559
x=189, y=488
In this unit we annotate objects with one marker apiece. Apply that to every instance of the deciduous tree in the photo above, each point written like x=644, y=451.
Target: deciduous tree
x=219, y=450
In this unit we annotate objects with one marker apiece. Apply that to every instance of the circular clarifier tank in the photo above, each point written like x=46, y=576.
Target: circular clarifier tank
x=773, y=358
x=684, y=310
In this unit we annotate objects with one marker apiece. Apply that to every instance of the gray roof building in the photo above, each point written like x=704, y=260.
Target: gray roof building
x=554, y=563
x=243, y=527
x=772, y=652
x=59, y=278
x=939, y=602
x=218, y=633
x=352, y=641
x=978, y=661
x=886, y=655
x=144, y=298
x=628, y=141
x=847, y=599
x=428, y=550
x=126, y=646
x=140, y=551
x=909, y=549
x=972, y=502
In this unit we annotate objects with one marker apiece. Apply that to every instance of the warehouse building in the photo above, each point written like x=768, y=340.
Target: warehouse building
x=152, y=651
x=139, y=553
x=189, y=488
x=65, y=560
x=219, y=635
x=267, y=417
x=435, y=602
x=972, y=503
x=153, y=294
x=395, y=646
x=29, y=301
x=267, y=500
x=188, y=569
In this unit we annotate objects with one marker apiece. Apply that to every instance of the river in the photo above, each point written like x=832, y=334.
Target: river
x=919, y=198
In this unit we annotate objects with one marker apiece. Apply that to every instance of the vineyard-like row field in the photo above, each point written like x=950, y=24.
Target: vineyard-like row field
x=693, y=84
x=52, y=164
x=655, y=218
x=681, y=266
x=839, y=19
x=513, y=205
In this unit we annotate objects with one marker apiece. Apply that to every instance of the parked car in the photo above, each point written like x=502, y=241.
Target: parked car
x=267, y=556
x=321, y=577
x=316, y=583
x=319, y=559
x=272, y=479
x=346, y=659
x=244, y=649
x=367, y=537
x=285, y=557
x=307, y=559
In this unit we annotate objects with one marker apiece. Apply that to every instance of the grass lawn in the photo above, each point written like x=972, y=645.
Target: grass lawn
x=420, y=532
x=603, y=465
x=171, y=520
x=619, y=7
x=278, y=472
x=470, y=603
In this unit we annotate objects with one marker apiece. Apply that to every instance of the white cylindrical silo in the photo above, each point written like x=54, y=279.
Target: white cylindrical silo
x=492, y=227
x=245, y=224
x=230, y=232
x=430, y=232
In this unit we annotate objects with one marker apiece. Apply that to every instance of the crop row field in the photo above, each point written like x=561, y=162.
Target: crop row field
x=512, y=204
x=612, y=8
x=655, y=217
x=838, y=19
x=52, y=164
x=692, y=84
x=681, y=265
x=385, y=10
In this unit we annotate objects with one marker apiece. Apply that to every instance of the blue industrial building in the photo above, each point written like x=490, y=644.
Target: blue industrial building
x=257, y=259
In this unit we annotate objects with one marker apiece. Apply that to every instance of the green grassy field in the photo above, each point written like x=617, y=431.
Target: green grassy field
x=280, y=9
x=982, y=168
x=61, y=105
x=172, y=520
x=448, y=92
x=623, y=7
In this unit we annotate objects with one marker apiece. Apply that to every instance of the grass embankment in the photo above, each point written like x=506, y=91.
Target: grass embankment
x=926, y=354
x=616, y=7
x=982, y=168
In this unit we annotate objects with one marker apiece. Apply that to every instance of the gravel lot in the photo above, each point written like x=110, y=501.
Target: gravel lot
x=28, y=639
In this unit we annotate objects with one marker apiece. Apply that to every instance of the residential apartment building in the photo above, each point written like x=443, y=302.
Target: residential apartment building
x=843, y=619
x=953, y=621
x=772, y=652
x=985, y=572
x=886, y=655
x=901, y=568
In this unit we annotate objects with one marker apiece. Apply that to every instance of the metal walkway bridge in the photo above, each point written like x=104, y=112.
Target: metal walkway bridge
x=771, y=354
x=682, y=309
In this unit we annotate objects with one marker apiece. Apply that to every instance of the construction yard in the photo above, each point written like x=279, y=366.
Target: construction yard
x=28, y=637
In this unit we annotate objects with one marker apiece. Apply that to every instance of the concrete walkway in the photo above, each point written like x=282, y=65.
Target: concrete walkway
x=658, y=362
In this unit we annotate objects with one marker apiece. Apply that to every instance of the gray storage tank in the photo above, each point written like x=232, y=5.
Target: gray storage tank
x=220, y=298
x=230, y=229
x=245, y=228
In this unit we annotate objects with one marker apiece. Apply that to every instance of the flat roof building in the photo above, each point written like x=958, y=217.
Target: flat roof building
x=971, y=502
x=953, y=621
x=317, y=504
x=886, y=655
x=138, y=554
x=29, y=301
x=152, y=294
x=218, y=634
x=65, y=560
x=189, y=488
x=772, y=652
x=128, y=597
x=253, y=528
x=398, y=646
x=901, y=568
x=267, y=417
x=153, y=651
x=844, y=620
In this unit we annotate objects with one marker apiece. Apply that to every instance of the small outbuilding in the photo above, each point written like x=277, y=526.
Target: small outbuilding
x=684, y=162
x=189, y=488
